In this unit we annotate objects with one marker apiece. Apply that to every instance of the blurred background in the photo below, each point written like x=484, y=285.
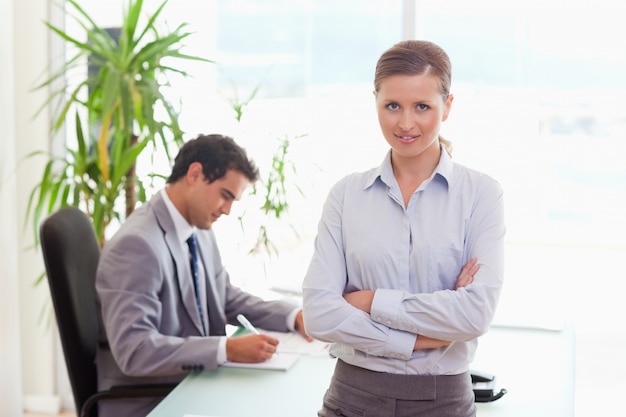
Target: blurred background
x=539, y=101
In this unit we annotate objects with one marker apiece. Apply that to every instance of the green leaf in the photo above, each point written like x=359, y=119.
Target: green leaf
x=124, y=98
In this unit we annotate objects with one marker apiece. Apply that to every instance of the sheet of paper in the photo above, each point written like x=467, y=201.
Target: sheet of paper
x=293, y=342
x=281, y=361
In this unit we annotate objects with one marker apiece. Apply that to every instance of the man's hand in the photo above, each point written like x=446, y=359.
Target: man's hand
x=299, y=326
x=250, y=348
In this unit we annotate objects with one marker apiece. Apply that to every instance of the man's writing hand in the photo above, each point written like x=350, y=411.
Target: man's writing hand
x=250, y=348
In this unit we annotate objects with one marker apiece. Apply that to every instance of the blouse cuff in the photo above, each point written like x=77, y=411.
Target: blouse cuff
x=400, y=343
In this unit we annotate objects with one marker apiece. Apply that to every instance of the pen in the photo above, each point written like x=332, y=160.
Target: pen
x=245, y=323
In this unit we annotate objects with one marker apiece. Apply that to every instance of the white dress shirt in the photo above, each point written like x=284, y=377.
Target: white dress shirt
x=183, y=231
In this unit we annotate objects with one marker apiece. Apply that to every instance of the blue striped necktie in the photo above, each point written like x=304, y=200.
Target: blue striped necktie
x=193, y=258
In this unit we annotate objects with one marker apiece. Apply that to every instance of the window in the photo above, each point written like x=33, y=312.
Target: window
x=305, y=48
x=538, y=91
x=538, y=107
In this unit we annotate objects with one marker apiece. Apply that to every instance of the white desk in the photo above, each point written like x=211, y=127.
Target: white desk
x=237, y=392
x=535, y=366
x=513, y=355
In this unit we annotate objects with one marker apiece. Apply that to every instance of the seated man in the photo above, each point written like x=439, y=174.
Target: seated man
x=163, y=309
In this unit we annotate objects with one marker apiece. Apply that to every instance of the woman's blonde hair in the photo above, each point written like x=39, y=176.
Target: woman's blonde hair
x=417, y=57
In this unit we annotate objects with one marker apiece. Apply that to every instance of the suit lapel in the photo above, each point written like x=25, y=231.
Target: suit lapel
x=181, y=261
x=217, y=321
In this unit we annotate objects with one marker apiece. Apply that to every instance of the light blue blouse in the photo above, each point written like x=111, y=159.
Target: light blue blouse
x=411, y=257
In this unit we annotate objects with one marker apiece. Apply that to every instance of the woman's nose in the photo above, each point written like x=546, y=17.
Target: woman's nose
x=406, y=121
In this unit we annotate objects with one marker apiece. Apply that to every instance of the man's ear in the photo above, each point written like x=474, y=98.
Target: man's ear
x=194, y=172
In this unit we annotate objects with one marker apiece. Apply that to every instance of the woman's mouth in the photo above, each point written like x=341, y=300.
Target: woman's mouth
x=406, y=138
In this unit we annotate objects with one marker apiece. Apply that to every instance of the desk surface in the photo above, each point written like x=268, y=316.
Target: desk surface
x=237, y=392
x=515, y=356
x=535, y=366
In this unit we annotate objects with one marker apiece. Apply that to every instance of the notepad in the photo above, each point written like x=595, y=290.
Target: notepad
x=293, y=342
x=278, y=362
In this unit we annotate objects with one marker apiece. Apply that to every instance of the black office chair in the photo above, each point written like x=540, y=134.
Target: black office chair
x=71, y=252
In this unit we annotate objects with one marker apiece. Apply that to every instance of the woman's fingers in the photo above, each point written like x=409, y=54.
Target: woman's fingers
x=466, y=276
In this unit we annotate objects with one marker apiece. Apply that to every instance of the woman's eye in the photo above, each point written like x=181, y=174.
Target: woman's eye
x=422, y=106
x=393, y=106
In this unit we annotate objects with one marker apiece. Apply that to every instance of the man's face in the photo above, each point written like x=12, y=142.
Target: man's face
x=208, y=201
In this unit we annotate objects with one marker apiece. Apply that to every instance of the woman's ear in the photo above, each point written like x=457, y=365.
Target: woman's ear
x=447, y=107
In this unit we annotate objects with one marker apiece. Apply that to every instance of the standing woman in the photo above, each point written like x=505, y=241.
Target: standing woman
x=409, y=257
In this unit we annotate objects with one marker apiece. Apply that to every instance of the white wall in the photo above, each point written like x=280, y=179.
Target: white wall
x=27, y=347
x=10, y=376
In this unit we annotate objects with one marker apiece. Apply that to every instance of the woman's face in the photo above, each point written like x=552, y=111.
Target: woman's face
x=410, y=112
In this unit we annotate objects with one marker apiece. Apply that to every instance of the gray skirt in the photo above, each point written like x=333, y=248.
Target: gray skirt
x=359, y=392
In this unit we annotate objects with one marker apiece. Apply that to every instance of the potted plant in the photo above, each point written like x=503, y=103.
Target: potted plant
x=125, y=111
x=271, y=191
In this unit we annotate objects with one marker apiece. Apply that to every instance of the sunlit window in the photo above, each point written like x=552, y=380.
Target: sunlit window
x=303, y=48
x=539, y=92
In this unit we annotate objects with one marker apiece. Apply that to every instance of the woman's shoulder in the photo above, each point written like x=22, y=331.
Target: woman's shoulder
x=359, y=179
x=465, y=176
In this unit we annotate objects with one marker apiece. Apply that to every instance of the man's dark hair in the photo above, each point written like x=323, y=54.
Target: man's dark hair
x=217, y=154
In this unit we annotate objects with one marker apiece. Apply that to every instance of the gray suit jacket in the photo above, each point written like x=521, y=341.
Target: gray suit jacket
x=150, y=329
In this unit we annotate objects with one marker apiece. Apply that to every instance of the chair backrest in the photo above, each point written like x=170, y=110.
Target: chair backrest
x=71, y=253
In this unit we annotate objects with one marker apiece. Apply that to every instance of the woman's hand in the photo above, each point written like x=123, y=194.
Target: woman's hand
x=360, y=299
x=425, y=342
x=466, y=276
